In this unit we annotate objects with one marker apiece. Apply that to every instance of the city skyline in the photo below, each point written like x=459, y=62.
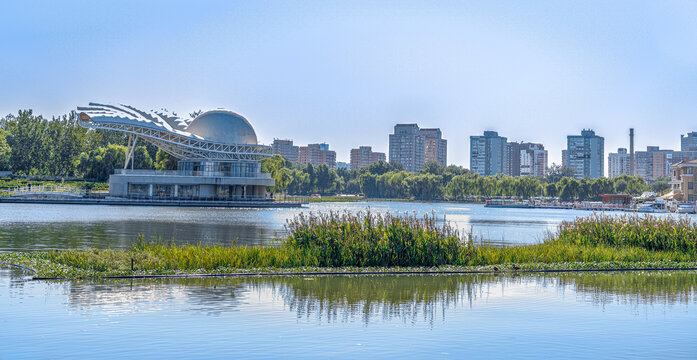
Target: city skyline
x=317, y=72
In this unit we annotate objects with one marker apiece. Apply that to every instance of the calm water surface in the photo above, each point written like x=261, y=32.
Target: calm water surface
x=606, y=315
x=39, y=227
x=567, y=315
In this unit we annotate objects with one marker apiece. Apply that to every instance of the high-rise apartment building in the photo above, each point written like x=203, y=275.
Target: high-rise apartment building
x=435, y=147
x=619, y=163
x=586, y=154
x=688, y=142
x=286, y=149
x=512, y=159
x=525, y=159
x=653, y=163
x=364, y=156
x=564, y=158
x=488, y=154
x=317, y=154
x=407, y=147
x=533, y=160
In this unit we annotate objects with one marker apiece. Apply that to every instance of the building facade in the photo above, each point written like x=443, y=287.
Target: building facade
x=683, y=180
x=619, y=163
x=653, y=163
x=533, y=160
x=488, y=154
x=435, y=147
x=688, y=142
x=219, y=157
x=525, y=159
x=317, y=154
x=286, y=149
x=586, y=154
x=364, y=156
x=407, y=147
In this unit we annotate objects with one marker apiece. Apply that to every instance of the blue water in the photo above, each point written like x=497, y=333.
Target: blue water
x=566, y=315
x=637, y=315
x=41, y=227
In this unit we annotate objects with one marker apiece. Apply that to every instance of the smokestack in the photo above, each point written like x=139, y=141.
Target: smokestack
x=631, y=152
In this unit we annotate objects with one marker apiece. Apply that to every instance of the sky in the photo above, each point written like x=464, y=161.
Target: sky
x=346, y=72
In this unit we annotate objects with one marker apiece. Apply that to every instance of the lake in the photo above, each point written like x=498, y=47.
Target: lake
x=569, y=315
x=41, y=227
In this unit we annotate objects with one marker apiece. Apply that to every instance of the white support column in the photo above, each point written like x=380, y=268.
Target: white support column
x=150, y=191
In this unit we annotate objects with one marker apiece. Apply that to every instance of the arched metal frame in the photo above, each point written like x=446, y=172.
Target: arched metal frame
x=166, y=133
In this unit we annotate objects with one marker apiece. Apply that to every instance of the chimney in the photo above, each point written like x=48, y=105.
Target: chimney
x=631, y=152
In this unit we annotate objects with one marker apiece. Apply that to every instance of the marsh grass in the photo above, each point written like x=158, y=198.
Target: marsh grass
x=339, y=240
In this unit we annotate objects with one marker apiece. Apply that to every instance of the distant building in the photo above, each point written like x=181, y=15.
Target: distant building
x=407, y=147
x=488, y=154
x=619, y=163
x=435, y=147
x=364, y=156
x=683, y=180
x=586, y=154
x=317, y=154
x=525, y=159
x=512, y=159
x=343, y=165
x=688, y=142
x=286, y=149
x=533, y=160
x=652, y=163
x=564, y=158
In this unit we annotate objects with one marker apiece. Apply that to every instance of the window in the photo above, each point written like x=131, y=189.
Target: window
x=690, y=185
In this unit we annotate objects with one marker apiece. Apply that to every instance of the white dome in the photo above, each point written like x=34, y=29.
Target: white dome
x=223, y=126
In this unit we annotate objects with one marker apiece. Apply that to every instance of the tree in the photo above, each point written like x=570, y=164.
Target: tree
x=165, y=161
x=5, y=152
x=556, y=172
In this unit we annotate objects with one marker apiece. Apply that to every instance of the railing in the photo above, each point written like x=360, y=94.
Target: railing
x=190, y=173
x=45, y=190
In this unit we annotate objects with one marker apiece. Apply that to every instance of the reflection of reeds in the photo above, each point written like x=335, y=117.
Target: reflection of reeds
x=416, y=298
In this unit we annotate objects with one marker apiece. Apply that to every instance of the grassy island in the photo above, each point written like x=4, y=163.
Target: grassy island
x=372, y=243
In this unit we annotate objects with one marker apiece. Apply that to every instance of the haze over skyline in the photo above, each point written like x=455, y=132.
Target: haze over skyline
x=346, y=73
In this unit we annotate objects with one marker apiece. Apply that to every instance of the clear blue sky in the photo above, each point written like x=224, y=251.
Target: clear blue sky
x=346, y=72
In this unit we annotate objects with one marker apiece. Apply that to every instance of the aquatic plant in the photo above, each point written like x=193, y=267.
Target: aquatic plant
x=345, y=242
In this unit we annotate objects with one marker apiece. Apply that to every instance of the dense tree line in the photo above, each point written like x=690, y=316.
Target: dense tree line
x=33, y=145
x=436, y=182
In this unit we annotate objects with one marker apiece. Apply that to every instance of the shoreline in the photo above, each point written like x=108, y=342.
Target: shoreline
x=498, y=269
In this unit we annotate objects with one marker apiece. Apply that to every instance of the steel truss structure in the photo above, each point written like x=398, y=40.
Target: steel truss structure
x=167, y=132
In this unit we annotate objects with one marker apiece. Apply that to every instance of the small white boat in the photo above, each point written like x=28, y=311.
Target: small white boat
x=650, y=208
x=686, y=209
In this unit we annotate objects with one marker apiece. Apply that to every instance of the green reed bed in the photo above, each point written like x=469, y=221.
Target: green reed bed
x=381, y=242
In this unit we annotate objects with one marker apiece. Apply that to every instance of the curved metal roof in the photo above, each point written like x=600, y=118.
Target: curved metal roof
x=215, y=135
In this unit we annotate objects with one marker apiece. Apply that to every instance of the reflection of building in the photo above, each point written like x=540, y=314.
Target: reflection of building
x=286, y=149
x=435, y=147
x=585, y=154
x=364, y=156
x=217, y=151
x=317, y=154
x=618, y=163
x=407, y=147
x=683, y=180
x=488, y=154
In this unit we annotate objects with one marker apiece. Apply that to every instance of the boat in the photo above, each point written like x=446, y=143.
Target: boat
x=500, y=203
x=651, y=208
x=686, y=209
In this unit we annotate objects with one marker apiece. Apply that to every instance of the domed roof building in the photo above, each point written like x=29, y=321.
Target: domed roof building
x=218, y=153
x=223, y=126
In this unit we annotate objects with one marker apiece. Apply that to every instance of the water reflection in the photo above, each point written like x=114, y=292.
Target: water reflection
x=417, y=298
